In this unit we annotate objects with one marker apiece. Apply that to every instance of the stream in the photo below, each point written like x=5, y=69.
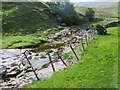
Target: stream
x=15, y=69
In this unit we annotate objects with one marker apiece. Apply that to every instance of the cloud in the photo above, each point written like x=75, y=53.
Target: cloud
x=82, y=0
x=94, y=0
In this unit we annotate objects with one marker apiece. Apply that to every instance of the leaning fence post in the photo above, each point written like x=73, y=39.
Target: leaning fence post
x=59, y=57
x=82, y=45
x=86, y=40
x=89, y=38
x=51, y=61
x=31, y=66
x=74, y=52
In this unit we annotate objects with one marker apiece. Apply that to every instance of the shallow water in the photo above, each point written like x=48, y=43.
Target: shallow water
x=44, y=48
x=47, y=47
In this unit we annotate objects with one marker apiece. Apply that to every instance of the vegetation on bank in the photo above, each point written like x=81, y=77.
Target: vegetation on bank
x=20, y=41
x=95, y=69
x=23, y=41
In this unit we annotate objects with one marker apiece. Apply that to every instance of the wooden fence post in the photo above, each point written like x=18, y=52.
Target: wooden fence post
x=51, y=61
x=74, y=52
x=89, y=38
x=86, y=40
x=31, y=66
x=59, y=57
x=82, y=45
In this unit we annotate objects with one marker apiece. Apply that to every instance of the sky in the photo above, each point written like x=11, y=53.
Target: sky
x=94, y=1
x=82, y=0
x=74, y=1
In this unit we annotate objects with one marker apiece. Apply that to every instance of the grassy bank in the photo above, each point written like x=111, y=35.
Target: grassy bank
x=98, y=67
x=18, y=41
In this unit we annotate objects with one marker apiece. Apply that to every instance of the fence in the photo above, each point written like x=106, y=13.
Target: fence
x=81, y=37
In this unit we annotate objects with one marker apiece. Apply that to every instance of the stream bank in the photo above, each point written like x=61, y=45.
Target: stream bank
x=16, y=73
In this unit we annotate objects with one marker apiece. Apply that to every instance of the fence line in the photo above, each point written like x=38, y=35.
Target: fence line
x=82, y=34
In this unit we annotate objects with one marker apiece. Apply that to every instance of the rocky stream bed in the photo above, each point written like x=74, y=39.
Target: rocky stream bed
x=15, y=70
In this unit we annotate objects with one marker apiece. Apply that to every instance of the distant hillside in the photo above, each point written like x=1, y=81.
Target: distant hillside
x=108, y=6
x=98, y=12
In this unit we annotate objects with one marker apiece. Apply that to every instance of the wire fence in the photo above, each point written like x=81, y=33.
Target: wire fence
x=80, y=38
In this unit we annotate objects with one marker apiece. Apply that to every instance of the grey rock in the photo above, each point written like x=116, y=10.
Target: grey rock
x=3, y=70
x=3, y=61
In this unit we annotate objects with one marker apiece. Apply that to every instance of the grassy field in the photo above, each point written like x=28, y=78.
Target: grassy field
x=98, y=67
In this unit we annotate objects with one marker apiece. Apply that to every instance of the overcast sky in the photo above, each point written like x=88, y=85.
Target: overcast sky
x=74, y=1
x=94, y=0
x=86, y=0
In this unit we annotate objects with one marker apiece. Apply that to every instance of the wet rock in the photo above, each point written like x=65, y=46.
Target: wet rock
x=12, y=74
x=3, y=70
x=21, y=74
x=29, y=57
x=13, y=64
x=3, y=61
x=14, y=58
x=36, y=54
x=13, y=69
x=70, y=57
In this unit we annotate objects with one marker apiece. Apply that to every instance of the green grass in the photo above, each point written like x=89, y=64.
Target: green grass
x=10, y=41
x=20, y=41
x=98, y=67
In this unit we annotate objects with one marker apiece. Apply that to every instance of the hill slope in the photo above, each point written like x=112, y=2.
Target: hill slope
x=98, y=12
x=108, y=6
x=27, y=18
